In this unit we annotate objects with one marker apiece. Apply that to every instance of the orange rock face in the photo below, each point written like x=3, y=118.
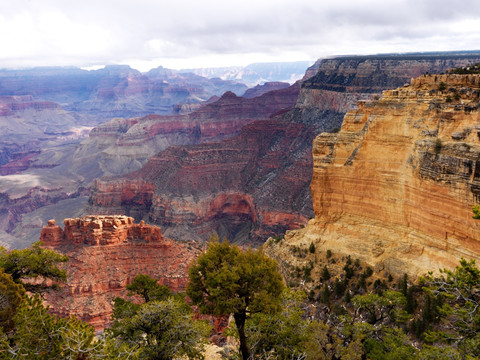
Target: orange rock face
x=395, y=187
x=106, y=253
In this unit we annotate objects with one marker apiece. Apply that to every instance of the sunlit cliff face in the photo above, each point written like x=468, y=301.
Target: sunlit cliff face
x=397, y=184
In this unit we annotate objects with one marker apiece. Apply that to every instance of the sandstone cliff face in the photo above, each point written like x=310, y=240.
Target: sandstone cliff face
x=397, y=184
x=335, y=85
x=106, y=253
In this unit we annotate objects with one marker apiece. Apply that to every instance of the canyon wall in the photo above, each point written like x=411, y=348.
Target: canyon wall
x=106, y=253
x=242, y=188
x=396, y=186
x=114, y=91
x=256, y=184
x=119, y=146
x=44, y=172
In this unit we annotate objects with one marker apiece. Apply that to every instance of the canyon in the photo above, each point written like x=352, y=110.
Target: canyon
x=46, y=112
x=106, y=253
x=256, y=184
x=401, y=178
x=258, y=148
x=391, y=180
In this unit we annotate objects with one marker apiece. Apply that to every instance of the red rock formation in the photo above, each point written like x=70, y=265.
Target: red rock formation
x=121, y=146
x=106, y=253
x=220, y=186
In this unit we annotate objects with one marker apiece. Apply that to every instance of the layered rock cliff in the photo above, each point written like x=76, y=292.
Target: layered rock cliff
x=51, y=171
x=106, y=253
x=120, y=145
x=243, y=188
x=397, y=184
x=123, y=145
x=262, y=176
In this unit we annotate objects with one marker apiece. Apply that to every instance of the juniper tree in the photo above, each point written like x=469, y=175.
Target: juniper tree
x=228, y=280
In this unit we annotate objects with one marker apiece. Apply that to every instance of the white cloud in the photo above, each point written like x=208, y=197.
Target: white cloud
x=184, y=33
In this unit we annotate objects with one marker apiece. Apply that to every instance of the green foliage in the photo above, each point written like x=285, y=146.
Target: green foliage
x=325, y=298
x=349, y=271
x=394, y=345
x=476, y=212
x=325, y=273
x=123, y=309
x=329, y=254
x=227, y=280
x=31, y=263
x=459, y=292
x=411, y=303
x=439, y=353
x=311, y=248
x=379, y=308
x=403, y=285
x=148, y=288
x=339, y=287
x=162, y=330
x=279, y=336
x=11, y=296
x=40, y=335
x=442, y=86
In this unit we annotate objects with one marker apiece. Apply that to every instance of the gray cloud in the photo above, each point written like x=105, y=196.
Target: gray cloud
x=56, y=32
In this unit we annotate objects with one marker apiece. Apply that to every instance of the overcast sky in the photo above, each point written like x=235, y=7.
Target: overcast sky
x=209, y=33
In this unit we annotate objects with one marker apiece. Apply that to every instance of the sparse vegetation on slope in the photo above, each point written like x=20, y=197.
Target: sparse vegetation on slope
x=346, y=311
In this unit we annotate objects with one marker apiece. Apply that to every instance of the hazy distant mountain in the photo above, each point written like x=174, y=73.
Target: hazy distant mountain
x=256, y=73
x=115, y=90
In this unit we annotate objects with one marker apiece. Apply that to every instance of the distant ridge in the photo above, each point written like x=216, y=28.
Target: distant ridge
x=256, y=73
x=413, y=55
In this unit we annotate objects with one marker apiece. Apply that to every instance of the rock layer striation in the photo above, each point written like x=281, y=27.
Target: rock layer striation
x=262, y=175
x=396, y=186
x=106, y=253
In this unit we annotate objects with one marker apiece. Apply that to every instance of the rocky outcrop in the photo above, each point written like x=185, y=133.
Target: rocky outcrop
x=339, y=83
x=52, y=167
x=106, y=253
x=124, y=145
x=397, y=184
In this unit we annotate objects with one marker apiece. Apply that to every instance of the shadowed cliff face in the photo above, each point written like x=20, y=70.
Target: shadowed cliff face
x=261, y=176
x=241, y=188
x=397, y=184
x=104, y=254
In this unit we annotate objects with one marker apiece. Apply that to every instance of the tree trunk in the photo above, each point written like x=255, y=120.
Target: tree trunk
x=240, y=318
